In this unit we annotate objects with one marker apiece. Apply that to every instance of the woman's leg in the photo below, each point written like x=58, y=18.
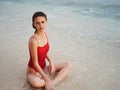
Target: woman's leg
x=35, y=80
x=62, y=70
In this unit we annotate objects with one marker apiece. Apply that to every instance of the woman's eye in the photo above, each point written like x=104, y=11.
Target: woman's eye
x=37, y=23
x=42, y=21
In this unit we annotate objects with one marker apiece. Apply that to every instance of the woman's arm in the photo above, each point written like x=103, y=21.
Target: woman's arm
x=33, y=51
x=52, y=67
x=48, y=58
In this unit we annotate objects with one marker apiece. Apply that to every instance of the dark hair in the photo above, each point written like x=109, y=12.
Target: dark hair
x=37, y=14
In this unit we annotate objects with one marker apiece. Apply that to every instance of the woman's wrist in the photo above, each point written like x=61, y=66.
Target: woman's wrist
x=46, y=79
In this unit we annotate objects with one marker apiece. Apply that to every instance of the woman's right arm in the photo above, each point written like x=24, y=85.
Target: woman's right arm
x=33, y=50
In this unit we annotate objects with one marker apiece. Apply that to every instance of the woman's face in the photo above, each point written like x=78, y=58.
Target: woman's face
x=40, y=23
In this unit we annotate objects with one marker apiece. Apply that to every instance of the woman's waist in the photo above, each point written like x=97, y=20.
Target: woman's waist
x=31, y=65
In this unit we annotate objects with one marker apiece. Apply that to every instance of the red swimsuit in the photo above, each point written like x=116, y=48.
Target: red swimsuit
x=41, y=53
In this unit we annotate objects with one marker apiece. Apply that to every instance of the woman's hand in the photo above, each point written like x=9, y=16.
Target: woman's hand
x=48, y=85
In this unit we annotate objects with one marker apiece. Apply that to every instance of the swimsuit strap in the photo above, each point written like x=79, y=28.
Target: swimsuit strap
x=46, y=36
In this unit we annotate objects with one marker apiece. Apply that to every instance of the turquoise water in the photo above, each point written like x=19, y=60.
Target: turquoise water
x=84, y=32
x=102, y=10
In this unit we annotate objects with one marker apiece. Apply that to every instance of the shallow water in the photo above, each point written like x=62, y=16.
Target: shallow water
x=84, y=33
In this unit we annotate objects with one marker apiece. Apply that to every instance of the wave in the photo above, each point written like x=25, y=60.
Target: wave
x=109, y=11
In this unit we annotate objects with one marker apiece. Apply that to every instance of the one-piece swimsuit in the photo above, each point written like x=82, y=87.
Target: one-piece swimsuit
x=41, y=54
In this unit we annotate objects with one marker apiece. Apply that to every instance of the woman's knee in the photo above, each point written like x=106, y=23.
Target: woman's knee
x=35, y=81
x=38, y=84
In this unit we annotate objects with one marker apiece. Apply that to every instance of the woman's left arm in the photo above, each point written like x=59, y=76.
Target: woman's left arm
x=52, y=67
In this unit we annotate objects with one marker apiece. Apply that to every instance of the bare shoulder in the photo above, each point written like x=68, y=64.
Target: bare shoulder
x=33, y=41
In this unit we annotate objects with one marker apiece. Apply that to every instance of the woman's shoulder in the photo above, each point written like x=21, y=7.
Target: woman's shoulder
x=33, y=40
x=33, y=37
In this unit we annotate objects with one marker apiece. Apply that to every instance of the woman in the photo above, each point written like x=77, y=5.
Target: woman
x=38, y=48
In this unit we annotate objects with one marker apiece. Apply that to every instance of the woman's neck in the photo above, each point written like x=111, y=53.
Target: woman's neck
x=39, y=33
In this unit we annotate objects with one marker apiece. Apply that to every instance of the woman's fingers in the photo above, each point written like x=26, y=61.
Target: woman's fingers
x=48, y=88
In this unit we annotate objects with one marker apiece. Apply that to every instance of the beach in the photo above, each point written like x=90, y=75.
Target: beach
x=85, y=34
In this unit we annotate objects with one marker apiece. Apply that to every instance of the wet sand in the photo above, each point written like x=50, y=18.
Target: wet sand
x=90, y=43
x=87, y=70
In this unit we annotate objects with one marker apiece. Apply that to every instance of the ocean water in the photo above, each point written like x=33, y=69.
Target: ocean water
x=83, y=32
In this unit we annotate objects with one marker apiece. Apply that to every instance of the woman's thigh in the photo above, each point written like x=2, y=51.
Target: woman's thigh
x=35, y=80
x=61, y=66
